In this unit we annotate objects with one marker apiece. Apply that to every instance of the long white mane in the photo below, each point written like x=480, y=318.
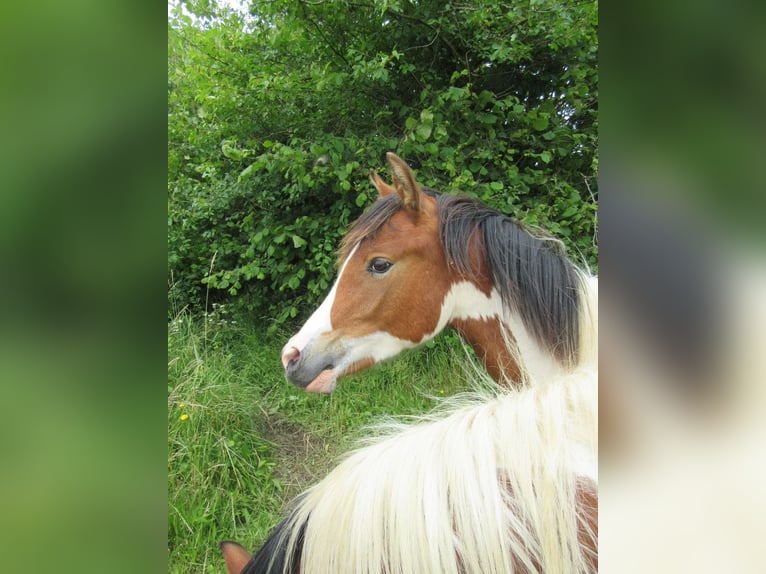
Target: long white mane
x=498, y=482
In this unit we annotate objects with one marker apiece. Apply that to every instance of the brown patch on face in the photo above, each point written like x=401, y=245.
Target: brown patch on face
x=406, y=300
x=486, y=338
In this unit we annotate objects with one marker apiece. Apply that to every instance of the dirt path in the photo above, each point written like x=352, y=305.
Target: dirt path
x=301, y=458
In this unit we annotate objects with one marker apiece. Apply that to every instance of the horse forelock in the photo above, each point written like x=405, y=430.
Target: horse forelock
x=371, y=221
x=530, y=271
x=368, y=224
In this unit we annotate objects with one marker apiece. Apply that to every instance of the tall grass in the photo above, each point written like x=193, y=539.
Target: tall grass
x=242, y=441
x=219, y=467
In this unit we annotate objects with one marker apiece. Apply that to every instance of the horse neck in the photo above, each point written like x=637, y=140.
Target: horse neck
x=475, y=310
x=486, y=337
x=499, y=338
x=507, y=352
x=520, y=314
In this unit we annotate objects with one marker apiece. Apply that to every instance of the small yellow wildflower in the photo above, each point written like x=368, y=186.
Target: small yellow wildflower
x=441, y=391
x=181, y=405
x=184, y=417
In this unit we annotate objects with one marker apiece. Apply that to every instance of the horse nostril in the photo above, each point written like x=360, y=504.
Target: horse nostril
x=290, y=357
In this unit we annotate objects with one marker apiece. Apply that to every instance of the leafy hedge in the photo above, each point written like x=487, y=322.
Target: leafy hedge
x=275, y=118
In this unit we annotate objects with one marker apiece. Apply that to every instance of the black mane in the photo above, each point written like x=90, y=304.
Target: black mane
x=272, y=557
x=530, y=271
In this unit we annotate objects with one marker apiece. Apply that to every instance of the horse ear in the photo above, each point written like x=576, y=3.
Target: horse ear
x=408, y=189
x=383, y=188
x=235, y=555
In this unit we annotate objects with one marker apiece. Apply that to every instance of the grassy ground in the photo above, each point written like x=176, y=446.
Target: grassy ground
x=242, y=441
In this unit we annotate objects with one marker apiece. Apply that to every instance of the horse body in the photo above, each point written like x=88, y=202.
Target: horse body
x=506, y=483
x=500, y=483
x=418, y=262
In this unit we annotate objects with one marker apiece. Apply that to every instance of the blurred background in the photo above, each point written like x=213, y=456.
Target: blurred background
x=681, y=399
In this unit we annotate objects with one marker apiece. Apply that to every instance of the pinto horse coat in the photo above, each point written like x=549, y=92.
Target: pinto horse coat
x=503, y=482
x=418, y=262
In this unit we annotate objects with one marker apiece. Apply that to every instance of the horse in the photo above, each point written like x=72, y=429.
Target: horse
x=418, y=261
x=504, y=481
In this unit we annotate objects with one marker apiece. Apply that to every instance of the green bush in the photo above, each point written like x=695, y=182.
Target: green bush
x=274, y=122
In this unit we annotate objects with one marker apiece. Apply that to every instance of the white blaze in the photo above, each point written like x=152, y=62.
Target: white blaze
x=319, y=322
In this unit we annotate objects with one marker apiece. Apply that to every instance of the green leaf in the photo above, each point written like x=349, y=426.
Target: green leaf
x=230, y=151
x=487, y=119
x=569, y=212
x=361, y=199
x=546, y=156
x=411, y=123
x=298, y=242
x=540, y=123
x=423, y=132
x=455, y=93
x=246, y=173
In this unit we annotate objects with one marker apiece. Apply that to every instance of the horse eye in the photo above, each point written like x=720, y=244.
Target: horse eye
x=379, y=266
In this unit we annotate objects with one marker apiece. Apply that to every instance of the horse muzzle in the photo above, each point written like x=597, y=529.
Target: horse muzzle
x=309, y=369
